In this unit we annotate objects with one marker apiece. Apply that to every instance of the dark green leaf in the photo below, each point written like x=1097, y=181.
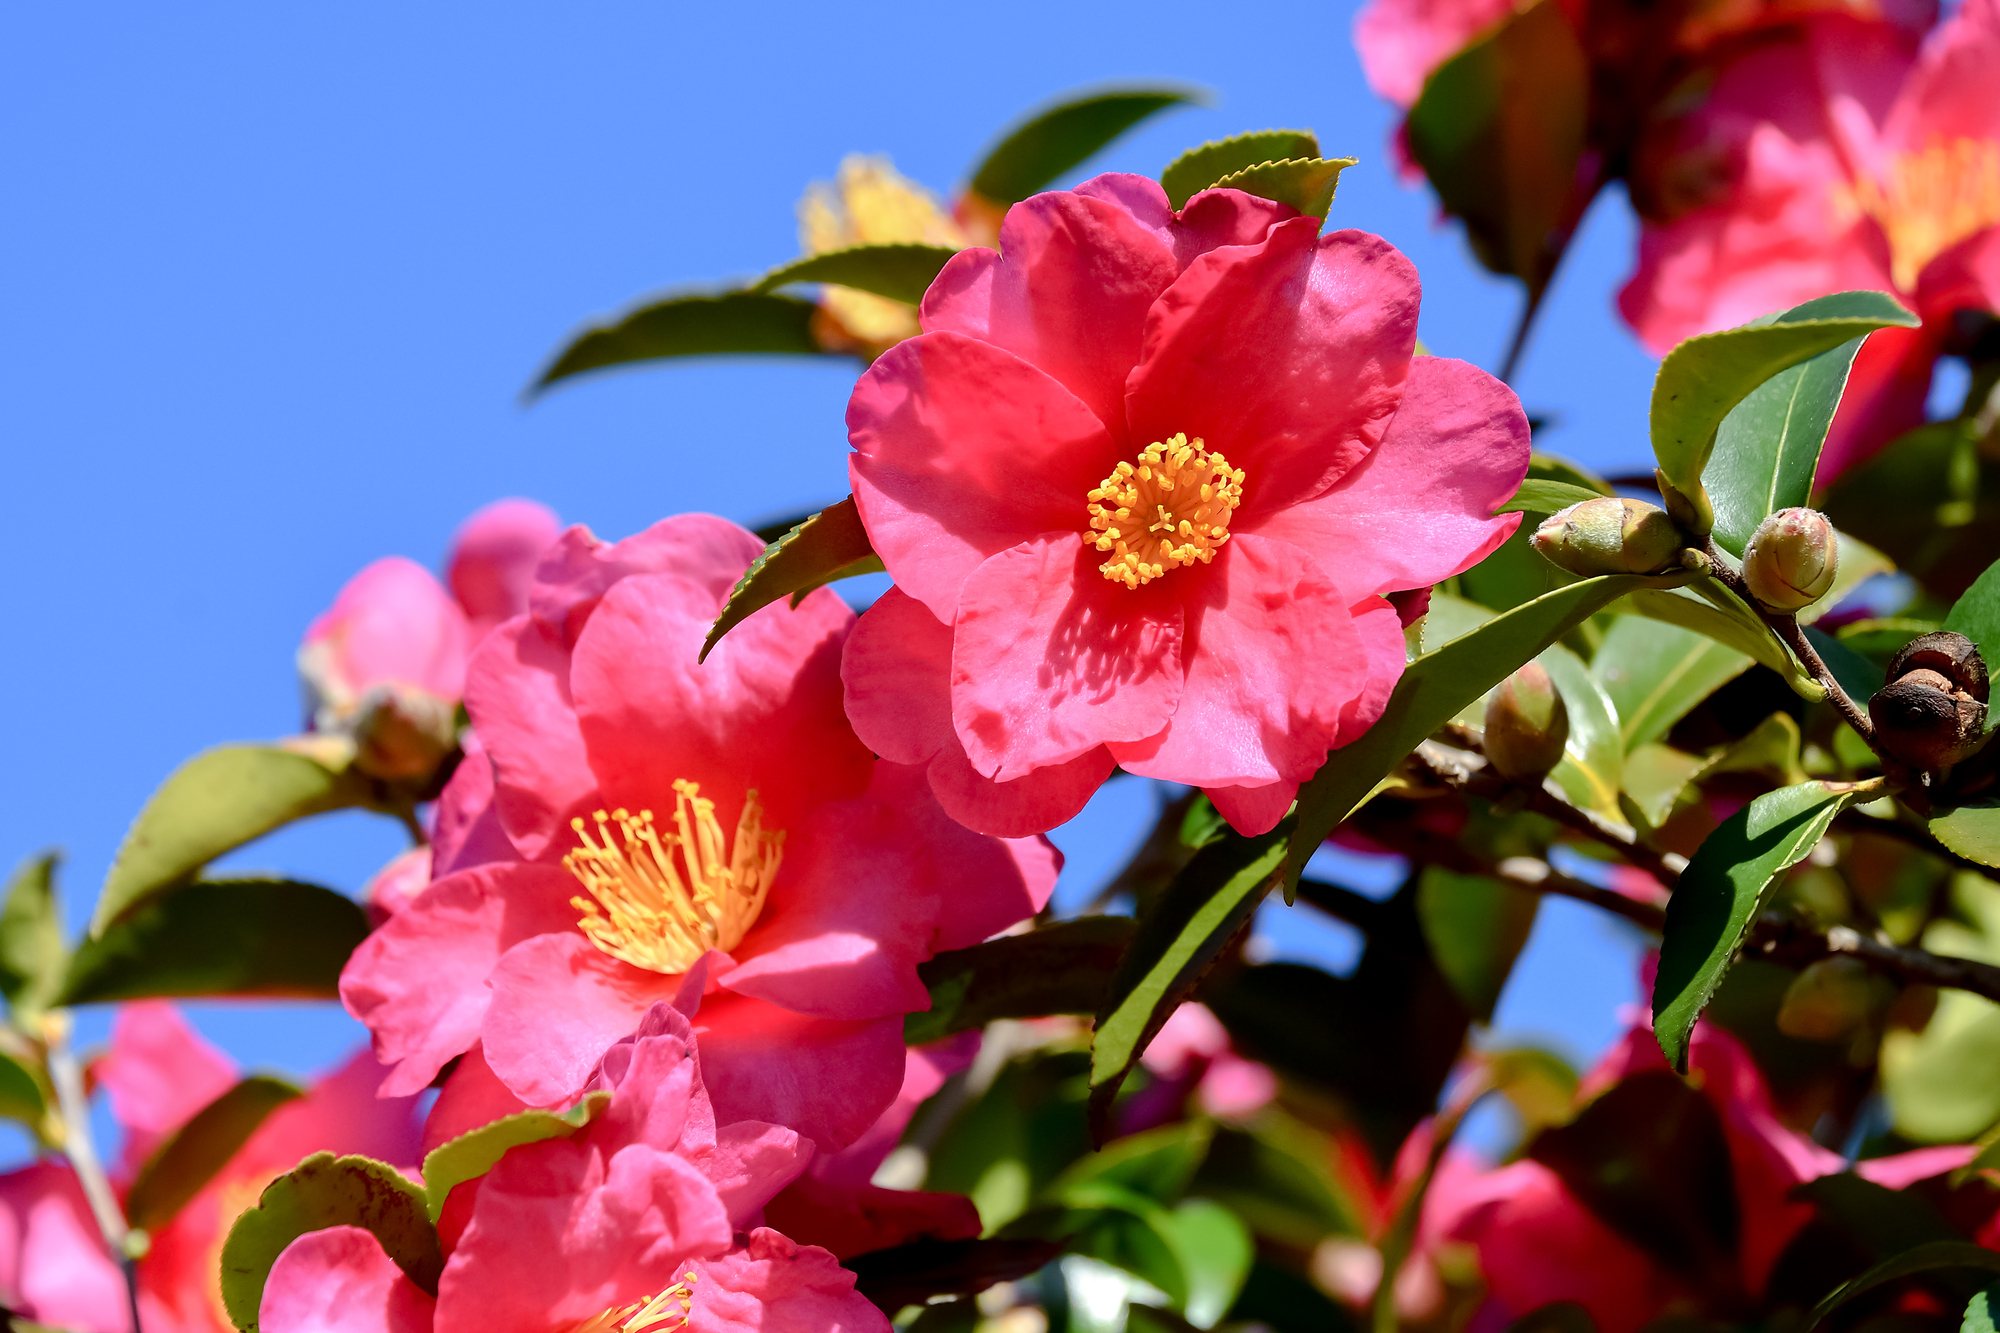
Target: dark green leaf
x=1973, y=831
x=1276, y=1176
x=1857, y=675
x=1976, y=615
x=731, y=323
x=192, y=1154
x=265, y=937
x=1540, y=496
x=1307, y=184
x=1714, y=612
x=1433, y=688
x=324, y=1191
x=474, y=1153
x=24, y=1091
x=1199, y=168
x=912, y=1274
x=1767, y=447
x=1155, y=1163
x=215, y=803
x=1720, y=893
x=1066, y=135
x=1930, y=1257
x=1059, y=969
x=1655, y=672
x=31, y=936
x=1475, y=927
x=830, y=545
x=1704, y=378
x=901, y=271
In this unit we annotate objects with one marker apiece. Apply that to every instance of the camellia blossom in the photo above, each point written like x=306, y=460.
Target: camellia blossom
x=1844, y=159
x=644, y=1220
x=1142, y=483
x=643, y=827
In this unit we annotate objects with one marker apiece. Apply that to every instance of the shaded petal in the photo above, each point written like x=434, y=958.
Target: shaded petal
x=749, y=1163
x=1380, y=626
x=579, y=568
x=1253, y=810
x=493, y=559
x=1419, y=507
x=517, y=692
x=826, y=1078
x=855, y=1219
x=1050, y=659
x=339, y=1281
x=771, y=1285
x=465, y=825
x=962, y=450
x=1215, y=218
x=558, y=1002
x=1032, y=803
x=54, y=1268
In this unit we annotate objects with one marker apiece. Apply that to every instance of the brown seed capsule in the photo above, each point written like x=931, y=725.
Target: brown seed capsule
x=1527, y=725
x=1790, y=559
x=1932, y=713
x=1611, y=535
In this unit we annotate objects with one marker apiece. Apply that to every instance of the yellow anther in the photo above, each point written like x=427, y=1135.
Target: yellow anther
x=661, y=900
x=1928, y=201
x=663, y=1313
x=1190, y=492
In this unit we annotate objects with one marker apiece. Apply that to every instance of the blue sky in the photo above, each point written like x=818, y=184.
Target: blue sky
x=274, y=277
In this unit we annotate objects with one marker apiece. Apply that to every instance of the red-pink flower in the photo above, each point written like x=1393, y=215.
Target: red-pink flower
x=1193, y=1047
x=1142, y=483
x=710, y=833
x=1843, y=158
x=1401, y=41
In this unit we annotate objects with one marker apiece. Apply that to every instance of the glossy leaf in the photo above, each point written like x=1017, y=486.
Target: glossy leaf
x=1704, y=378
x=1199, y=168
x=1768, y=446
x=31, y=936
x=1980, y=1312
x=1655, y=672
x=1725, y=885
x=1973, y=831
x=1539, y=495
x=1713, y=611
x=320, y=1192
x=1475, y=927
x=192, y=1154
x=247, y=937
x=1307, y=184
x=1433, y=688
x=1066, y=135
x=1655, y=776
x=901, y=271
x=1857, y=675
x=1976, y=615
x=1930, y=1257
x=830, y=545
x=217, y=802
x=1214, y=1251
x=728, y=323
x=1063, y=968
x=474, y=1153
x=24, y=1091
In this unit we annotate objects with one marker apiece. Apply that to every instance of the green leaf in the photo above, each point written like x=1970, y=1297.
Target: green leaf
x=1943, y=1084
x=1767, y=447
x=1068, y=134
x=1205, y=905
x=24, y=1092
x=1979, y=1311
x=1704, y=378
x=1725, y=885
x=248, y=937
x=1475, y=927
x=729, y=323
x=1199, y=168
x=1929, y=1257
x=1499, y=130
x=1857, y=675
x=31, y=936
x=1063, y=968
x=1156, y=1163
x=1214, y=1251
x=192, y=1154
x=320, y=1192
x=1541, y=496
x=1655, y=776
x=1973, y=831
x=830, y=545
x=1656, y=672
x=1433, y=688
x=474, y=1153
x=901, y=271
x=215, y=803
x=1976, y=615
x=1307, y=184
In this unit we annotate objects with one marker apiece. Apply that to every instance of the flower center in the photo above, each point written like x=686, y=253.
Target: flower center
x=660, y=900
x=656, y=1314
x=1930, y=201
x=1169, y=509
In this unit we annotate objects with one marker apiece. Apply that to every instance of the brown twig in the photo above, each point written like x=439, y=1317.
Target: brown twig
x=1794, y=941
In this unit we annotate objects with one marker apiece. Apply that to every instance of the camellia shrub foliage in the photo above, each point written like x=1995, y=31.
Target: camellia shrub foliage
x=720, y=987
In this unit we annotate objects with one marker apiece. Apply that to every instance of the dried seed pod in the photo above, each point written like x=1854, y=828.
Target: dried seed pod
x=1527, y=725
x=1611, y=535
x=1932, y=713
x=1790, y=559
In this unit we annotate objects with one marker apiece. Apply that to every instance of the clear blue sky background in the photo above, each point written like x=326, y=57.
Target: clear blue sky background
x=274, y=277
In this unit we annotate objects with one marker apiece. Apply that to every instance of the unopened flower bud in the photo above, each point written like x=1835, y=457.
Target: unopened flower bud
x=1932, y=713
x=1527, y=725
x=1611, y=535
x=1831, y=1000
x=402, y=734
x=1790, y=559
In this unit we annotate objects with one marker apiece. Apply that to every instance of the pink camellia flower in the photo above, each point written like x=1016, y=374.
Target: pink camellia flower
x=1401, y=41
x=661, y=829
x=1193, y=1047
x=1845, y=158
x=645, y=1219
x=1142, y=482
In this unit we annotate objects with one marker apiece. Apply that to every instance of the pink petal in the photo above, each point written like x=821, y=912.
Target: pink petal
x=1381, y=629
x=1050, y=659
x=1272, y=660
x=159, y=1072
x=518, y=696
x=465, y=825
x=1401, y=41
x=579, y=568
x=471, y=1097
x=1191, y=1035
x=419, y=982
x=1899, y=1171
x=397, y=884
x=493, y=560
x=963, y=450
x=1032, y=803
x=825, y=1078
x=344, y=1111
x=54, y=1268
x=774, y=1286
x=340, y=1281
x=558, y=1002
x=1949, y=95
x=1418, y=508
x=392, y=624
x=1288, y=357
x=750, y=1163
x=855, y=1219
x=1253, y=810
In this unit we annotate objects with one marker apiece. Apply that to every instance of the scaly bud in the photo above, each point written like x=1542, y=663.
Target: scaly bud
x=1527, y=725
x=402, y=733
x=1790, y=559
x=1932, y=713
x=1611, y=536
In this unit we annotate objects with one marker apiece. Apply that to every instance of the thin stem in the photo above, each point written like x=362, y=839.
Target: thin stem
x=1519, y=342
x=74, y=1106
x=1795, y=638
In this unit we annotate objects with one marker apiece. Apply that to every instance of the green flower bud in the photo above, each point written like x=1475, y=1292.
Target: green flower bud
x=1527, y=725
x=1790, y=560
x=1611, y=536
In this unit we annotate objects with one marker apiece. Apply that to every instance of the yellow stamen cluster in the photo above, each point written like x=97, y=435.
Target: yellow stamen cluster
x=1169, y=509
x=657, y=1314
x=661, y=900
x=1930, y=201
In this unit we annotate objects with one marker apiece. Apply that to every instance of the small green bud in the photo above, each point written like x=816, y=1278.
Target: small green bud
x=1527, y=725
x=1611, y=536
x=1790, y=559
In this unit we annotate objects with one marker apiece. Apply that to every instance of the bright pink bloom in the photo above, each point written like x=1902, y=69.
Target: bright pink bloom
x=1193, y=1045
x=1024, y=651
x=830, y=874
x=54, y=1268
x=398, y=883
x=493, y=560
x=1844, y=158
x=1401, y=41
